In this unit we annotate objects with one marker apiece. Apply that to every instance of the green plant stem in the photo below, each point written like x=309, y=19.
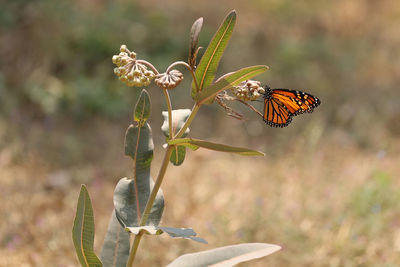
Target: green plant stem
x=195, y=109
x=169, y=106
x=135, y=246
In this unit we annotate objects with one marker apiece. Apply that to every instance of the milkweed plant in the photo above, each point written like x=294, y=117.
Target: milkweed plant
x=139, y=200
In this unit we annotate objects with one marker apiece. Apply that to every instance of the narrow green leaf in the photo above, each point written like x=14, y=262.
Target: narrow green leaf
x=193, y=41
x=229, y=81
x=216, y=147
x=116, y=245
x=142, y=108
x=205, y=71
x=83, y=231
x=225, y=256
x=187, y=233
x=179, y=117
x=178, y=155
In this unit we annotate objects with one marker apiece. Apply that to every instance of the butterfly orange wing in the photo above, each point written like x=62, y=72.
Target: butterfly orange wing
x=276, y=114
x=297, y=102
x=280, y=105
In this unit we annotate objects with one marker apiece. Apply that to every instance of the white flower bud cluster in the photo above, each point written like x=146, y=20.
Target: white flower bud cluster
x=249, y=90
x=129, y=71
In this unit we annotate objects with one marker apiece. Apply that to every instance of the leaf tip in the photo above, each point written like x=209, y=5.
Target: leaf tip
x=142, y=107
x=232, y=15
x=83, y=188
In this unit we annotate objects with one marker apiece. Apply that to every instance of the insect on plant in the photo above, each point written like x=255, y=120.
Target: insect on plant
x=139, y=200
x=280, y=105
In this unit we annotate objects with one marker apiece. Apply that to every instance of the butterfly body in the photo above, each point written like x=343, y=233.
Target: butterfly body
x=280, y=105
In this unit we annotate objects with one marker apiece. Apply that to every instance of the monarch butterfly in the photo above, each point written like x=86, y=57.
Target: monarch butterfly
x=280, y=105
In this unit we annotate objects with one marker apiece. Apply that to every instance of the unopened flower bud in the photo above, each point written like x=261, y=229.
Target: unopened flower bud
x=123, y=48
x=122, y=70
x=249, y=90
x=116, y=59
x=169, y=80
x=132, y=55
x=130, y=75
x=136, y=72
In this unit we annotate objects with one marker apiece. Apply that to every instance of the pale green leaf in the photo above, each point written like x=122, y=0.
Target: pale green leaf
x=131, y=194
x=127, y=202
x=179, y=117
x=193, y=41
x=187, y=233
x=139, y=146
x=225, y=256
x=116, y=245
x=83, y=231
x=178, y=155
x=216, y=147
x=230, y=80
x=206, y=69
x=142, y=108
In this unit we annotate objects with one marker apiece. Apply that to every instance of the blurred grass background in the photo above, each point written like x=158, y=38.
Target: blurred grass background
x=327, y=190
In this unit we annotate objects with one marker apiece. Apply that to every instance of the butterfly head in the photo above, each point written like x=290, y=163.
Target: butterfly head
x=268, y=91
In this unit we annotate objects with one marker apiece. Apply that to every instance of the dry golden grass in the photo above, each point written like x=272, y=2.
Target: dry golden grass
x=330, y=204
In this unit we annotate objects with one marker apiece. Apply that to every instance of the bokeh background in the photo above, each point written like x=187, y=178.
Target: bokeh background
x=327, y=190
